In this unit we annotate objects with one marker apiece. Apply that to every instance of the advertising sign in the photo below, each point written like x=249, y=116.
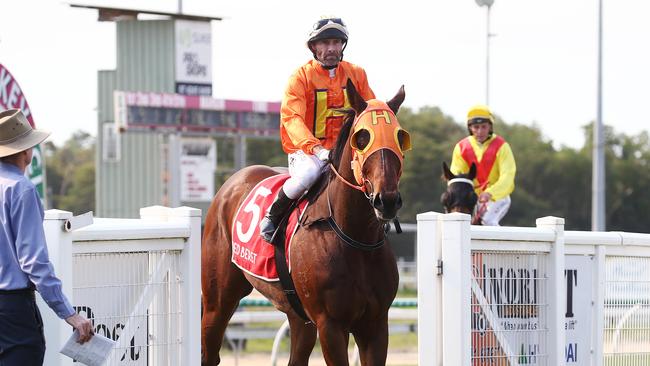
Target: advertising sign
x=111, y=308
x=508, y=309
x=198, y=164
x=193, y=57
x=11, y=96
x=578, y=276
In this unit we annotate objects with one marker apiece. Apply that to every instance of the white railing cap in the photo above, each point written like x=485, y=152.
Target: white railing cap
x=572, y=237
x=512, y=233
x=638, y=239
x=55, y=214
x=124, y=229
x=428, y=216
x=549, y=220
x=455, y=216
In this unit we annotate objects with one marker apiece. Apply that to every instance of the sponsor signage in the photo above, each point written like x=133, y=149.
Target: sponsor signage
x=165, y=111
x=193, y=57
x=198, y=164
x=509, y=301
x=111, y=317
x=11, y=96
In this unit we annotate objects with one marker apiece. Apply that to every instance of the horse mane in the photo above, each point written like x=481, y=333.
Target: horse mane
x=335, y=155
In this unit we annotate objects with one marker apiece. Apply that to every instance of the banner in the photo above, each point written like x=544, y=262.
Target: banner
x=193, y=57
x=509, y=309
x=11, y=96
x=198, y=164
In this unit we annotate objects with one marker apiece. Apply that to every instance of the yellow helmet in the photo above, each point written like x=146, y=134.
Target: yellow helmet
x=479, y=113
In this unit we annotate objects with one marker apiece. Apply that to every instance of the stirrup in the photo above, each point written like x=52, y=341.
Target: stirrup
x=269, y=233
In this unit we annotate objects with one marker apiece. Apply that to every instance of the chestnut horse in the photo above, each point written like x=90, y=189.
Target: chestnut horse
x=460, y=195
x=344, y=289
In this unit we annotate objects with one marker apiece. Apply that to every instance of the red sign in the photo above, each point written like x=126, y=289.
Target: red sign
x=11, y=96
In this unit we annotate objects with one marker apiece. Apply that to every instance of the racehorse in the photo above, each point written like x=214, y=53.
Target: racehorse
x=460, y=195
x=344, y=277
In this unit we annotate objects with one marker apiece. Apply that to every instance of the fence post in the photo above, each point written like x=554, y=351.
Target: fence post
x=556, y=291
x=598, y=307
x=59, y=246
x=456, y=289
x=191, y=292
x=428, y=253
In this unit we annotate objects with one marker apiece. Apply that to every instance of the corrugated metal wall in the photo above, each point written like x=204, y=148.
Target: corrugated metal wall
x=145, y=62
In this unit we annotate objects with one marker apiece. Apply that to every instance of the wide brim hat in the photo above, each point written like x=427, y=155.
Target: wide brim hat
x=16, y=134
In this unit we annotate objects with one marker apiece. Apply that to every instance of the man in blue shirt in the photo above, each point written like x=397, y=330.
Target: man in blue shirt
x=24, y=262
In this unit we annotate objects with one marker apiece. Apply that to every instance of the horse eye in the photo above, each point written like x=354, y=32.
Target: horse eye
x=404, y=140
x=361, y=139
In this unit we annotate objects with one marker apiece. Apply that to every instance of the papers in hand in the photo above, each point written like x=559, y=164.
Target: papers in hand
x=92, y=353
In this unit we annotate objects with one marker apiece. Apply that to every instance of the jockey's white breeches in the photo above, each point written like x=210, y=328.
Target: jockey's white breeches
x=495, y=211
x=304, y=170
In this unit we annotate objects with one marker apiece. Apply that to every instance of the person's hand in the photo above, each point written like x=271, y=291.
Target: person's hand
x=83, y=325
x=321, y=153
x=484, y=197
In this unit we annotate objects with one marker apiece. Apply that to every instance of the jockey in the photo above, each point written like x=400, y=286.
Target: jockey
x=309, y=120
x=495, y=176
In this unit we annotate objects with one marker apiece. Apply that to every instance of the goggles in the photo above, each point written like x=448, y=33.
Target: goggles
x=477, y=120
x=323, y=22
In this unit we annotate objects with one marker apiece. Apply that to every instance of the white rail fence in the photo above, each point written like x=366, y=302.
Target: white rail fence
x=138, y=280
x=531, y=296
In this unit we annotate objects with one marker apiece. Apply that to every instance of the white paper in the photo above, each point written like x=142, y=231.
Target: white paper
x=92, y=353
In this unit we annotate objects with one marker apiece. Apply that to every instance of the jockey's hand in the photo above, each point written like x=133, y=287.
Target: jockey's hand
x=322, y=154
x=485, y=197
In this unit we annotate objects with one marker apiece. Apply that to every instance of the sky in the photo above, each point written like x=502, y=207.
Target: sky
x=543, y=56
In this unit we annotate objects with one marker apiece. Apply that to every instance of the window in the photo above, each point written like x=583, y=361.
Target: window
x=110, y=143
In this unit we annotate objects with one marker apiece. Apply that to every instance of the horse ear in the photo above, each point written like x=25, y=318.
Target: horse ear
x=356, y=101
x=472, y=172
x=444, y=199
x=446, y=172
x=397, y=100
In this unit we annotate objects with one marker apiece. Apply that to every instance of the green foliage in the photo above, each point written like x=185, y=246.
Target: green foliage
x=70, y=173
x=550, y=180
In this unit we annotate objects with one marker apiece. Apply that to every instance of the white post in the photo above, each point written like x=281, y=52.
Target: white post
x=191, y=291
x=556, y=291
x=456, y=289
x=59, y=246
x=429, y=289
x=598, y=308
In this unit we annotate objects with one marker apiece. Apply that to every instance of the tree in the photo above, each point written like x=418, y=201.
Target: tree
x=70, y=173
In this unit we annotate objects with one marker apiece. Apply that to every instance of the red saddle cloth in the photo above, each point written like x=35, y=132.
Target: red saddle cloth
x=249, y=251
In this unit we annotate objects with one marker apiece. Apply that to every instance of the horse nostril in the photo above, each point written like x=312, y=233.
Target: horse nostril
x=377, y=202
x=398, y=204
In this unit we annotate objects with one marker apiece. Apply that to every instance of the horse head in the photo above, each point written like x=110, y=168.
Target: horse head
x=375, y=148
x=460, y=195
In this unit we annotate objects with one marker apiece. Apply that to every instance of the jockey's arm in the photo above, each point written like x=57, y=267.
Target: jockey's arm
x=458, y=164
x=292, y=115
x=505, y=184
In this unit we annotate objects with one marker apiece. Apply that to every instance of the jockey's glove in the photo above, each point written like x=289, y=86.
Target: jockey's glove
x=323, y=155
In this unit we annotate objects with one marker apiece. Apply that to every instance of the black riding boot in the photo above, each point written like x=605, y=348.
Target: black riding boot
x=275, y=214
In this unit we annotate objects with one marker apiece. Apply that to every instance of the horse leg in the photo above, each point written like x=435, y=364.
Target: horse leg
x=303, y=339
x=224, y=290
x=372, y=341
x=334, y=341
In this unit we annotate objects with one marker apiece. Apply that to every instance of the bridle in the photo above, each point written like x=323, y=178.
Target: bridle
x=478, y=209
x=387, y=117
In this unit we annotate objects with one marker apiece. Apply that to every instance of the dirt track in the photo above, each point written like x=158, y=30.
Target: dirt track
x=264, y=359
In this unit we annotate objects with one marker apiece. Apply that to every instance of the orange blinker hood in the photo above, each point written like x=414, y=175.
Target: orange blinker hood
x=385, y=133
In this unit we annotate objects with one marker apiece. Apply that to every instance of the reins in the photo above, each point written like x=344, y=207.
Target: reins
x=337, y=229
